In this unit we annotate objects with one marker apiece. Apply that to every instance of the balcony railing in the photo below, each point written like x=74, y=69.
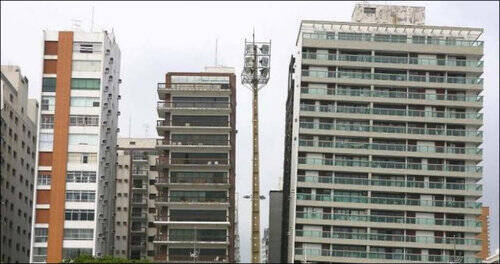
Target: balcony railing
x=391, y=165
x=379, y=255
x=140, y=201
x=161, y=123
x=394, y=129
x=186, y=199
x=384, y=200
x=163, y=161
x=194, y=218
x=391, y=94
x=205, y=258
x=391, y=183
x=190, y=238
x=137, y=172
x=390, y=219
x=195, y=87
x=206, y=142
x=393, y=59
x=391, y=112
x=193, y=179
x=390, y=147
x=390, y=77
x=139, y=216
x=386, y=237
x=400, y=40
x=195, y=105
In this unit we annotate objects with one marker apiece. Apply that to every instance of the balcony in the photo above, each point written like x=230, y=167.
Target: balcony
x=393, y=60
x=392, y=77
x=185, y=199
x=383, y=200
x=392, y=94
x=193, y=108
x=313, y=253
x=190, y=162
x=391, y=112
x=200, y=258
x=140, y=216
x=370, y=38
x=390, y=219
x=193, y=180
x=139, y=202
x=190, y=89
x=140, y=187
x=392, y=165
x=473, y=187
x=201, y=218
x=169, y=125
x=187, y=238
x=140, y=229
x=392, y=238
x=394, y=129
x=392, y=147
x=139, y=173
x=178, y=144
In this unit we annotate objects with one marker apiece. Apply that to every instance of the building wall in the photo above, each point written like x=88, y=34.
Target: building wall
x=77, y=154
x=275, y=227
x=18, y=154
x=485, y=233
x=130, y=153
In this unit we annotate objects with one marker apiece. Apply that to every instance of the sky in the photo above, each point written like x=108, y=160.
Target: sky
x=158, y=37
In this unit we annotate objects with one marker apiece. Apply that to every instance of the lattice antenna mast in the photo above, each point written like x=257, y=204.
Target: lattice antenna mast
x=255, y=75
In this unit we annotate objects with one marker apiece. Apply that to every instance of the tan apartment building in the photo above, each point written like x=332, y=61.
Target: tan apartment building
x=382, y=140
x=135, y=193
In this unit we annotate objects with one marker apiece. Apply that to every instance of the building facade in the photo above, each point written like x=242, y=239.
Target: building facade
x=19, y=119
x=135, y=192
x=195, y=205
x=382, y=141
x=75, y=189
x=485, y=233
x=275, y=227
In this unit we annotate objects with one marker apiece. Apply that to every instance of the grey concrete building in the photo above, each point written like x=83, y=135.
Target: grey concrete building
x=195, y=205
x=135, y=194
x=19, y=123
x=275, y=227
x=382, y=140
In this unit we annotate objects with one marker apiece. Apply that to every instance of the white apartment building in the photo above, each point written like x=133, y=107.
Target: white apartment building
x=74, y=198
x=382, y=140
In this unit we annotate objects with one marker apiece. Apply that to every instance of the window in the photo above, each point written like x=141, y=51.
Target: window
x=39, y=254
x=78, y=234
x=81, y=176
x=46, y=141
x=41, y=234
x=85, y=84
x=48, y=84
x=86, y=66
x=369, y=10
x=43, y=179
x=79, y=215
x=48, y=103
x=83, y=120
x=87, y=47
x=47, y=122
x=82, y=139
x=80, y=196
x=84, y=101
x=75, y=252
x=85, y=158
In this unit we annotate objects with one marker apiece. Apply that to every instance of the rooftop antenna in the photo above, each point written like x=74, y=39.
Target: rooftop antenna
x=146, y=127
x=129, y=125
x=76, y=23
x=216, y=44
x=92, y=21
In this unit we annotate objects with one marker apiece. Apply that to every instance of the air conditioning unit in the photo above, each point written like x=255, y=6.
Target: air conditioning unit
x=100, y=235
x=216, y=162
x=103, y=141
x=104, y=122
x=101, y=216
x=118, y=113
x=117, y=130
x=102, y=177
x=106, y=71
x=106, y=88
x=119, y=97
x=108, y=51
x=187, y=124
x=119, y=80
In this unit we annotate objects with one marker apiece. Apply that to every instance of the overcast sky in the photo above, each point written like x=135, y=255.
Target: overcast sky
x=158, y=37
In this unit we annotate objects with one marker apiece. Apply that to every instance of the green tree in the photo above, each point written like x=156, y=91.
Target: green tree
x=104, y=259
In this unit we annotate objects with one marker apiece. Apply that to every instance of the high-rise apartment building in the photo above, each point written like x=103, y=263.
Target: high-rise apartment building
x=382, y=140
x=135, y=192
x=74, y=208
x=195, y=206
x=19, y=118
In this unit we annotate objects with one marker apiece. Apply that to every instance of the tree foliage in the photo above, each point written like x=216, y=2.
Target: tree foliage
x=104, y=259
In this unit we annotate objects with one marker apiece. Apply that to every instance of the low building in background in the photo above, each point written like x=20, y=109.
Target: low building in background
x=19, y=125
x=135, y=193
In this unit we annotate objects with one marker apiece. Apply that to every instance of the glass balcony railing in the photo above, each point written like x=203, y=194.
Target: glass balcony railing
x=193, y=86
x=400, y=39
x=197, y=105
x=199, y=179
x=394, y=129
x=390, y=219
x=390, y=77
x=391, y=94
x=390, y=147
x=161, y=123
x=381, y=255
x=391, y=112
x=393, y=59
x=391, y=183
x=386, y=237
x=384, y=200
x=192, y=199
x=193, y=142
x=391, y=165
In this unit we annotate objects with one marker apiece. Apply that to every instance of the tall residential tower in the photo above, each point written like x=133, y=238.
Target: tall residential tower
x=18, y=155
x=74, y=208
x=195, y=206
x=382, y=140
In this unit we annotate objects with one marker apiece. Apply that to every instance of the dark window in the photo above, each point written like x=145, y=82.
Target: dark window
x=49, y=85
